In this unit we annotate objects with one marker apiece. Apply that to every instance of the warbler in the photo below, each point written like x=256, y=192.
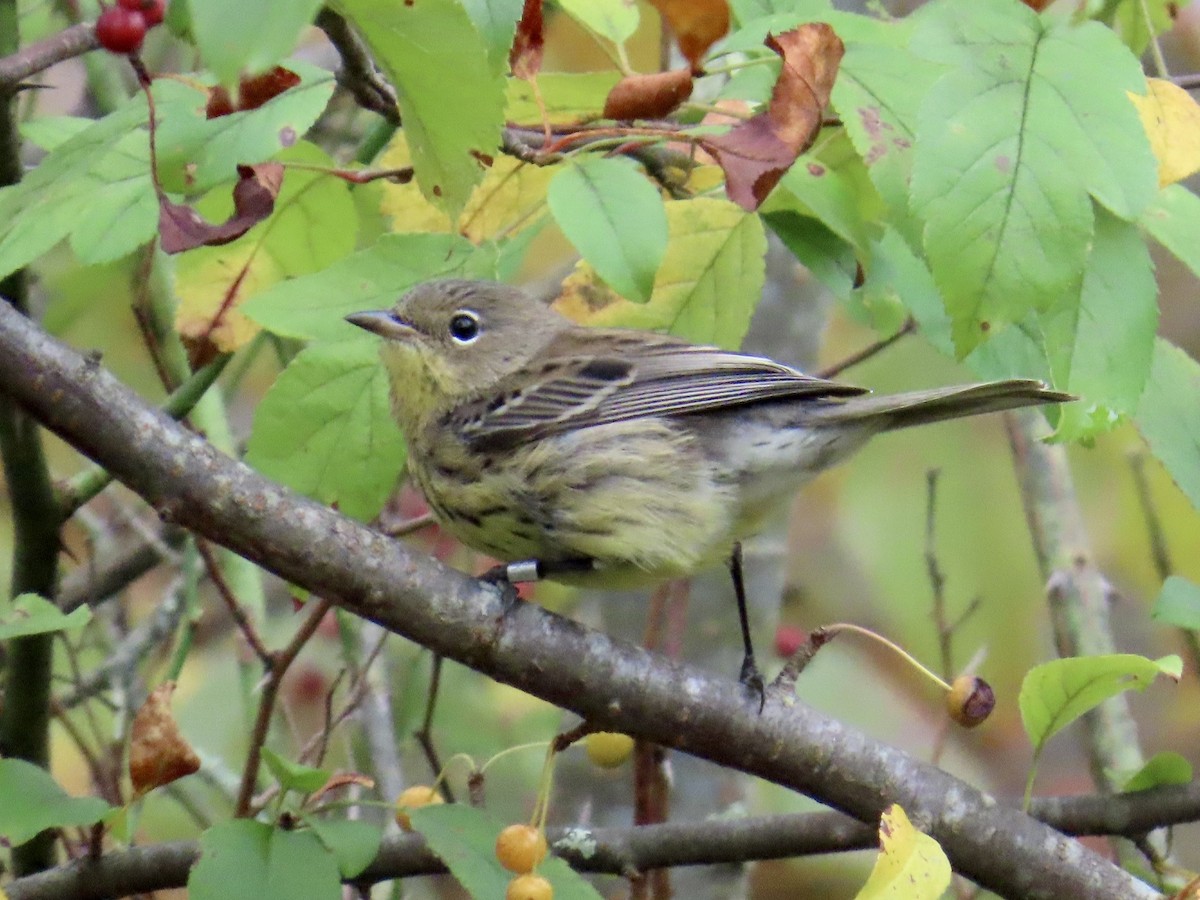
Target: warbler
x=618, y=458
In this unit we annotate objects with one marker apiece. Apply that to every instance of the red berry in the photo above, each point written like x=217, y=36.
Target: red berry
x=789, y=639
x=152, y=11
x=120, y=30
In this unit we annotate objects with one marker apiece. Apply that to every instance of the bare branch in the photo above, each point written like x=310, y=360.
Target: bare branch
x=70, y=42
x=617, y=850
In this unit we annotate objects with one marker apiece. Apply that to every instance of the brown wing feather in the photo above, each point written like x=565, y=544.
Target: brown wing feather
x=580, y=383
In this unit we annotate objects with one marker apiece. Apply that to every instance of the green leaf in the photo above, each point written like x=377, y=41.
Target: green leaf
x=1178, y=604
x=1101, y=348
x=245, y=860
x=616, y=20
x=230, y=49
x=567, y=97
x=103, y=169
x=878, y=93
x=325, y=428
x=708, y=285
x=313, y=306
x=33, y=802
x=1161, y=769
x=1055, y=694
x=451, y=97
x=354, y=844
x=196, y=153
x=1169, y=417
x=896, y=277
x=497, y=22
x=1128, y=18
x=464, y=838
x=830, y=259
x=833, y=186
x=1031, y=117
x=1173, y=219
x=615, y=219
x=293, y=776
x=30, y=614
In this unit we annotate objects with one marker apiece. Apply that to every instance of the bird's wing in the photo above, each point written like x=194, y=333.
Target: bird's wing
x=597, y=382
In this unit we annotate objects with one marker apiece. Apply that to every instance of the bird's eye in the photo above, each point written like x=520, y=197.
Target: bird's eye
x=464, y=327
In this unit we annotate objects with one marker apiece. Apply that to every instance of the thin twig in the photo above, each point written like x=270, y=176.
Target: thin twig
x=854, y=359
x=937, y=579
x=266, y=704
x=1158, y=544
x=424, y=734
x=37, y=57
x=408, y=526
x=358, y=74
x=213, y=567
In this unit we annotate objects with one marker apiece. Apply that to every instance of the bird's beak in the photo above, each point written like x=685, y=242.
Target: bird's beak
x=380, y=322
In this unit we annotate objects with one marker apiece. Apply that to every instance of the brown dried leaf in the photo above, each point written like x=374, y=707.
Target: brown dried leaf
x=697, y=25
x=525, y=58
x=158, y=754
x=182, y=228
x=253, y=92
x=341, y=780
x=648, y=96
x=756, y=153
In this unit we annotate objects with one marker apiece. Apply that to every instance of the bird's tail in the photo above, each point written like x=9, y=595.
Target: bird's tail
x=922, y=407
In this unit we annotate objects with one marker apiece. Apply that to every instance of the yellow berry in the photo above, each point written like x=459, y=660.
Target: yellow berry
x=608, y=749
x=529, y=887
x=520, y=848
x=970, y=700
x=413, y=798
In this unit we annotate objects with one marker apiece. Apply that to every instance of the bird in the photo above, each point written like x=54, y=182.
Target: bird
x=618, y=458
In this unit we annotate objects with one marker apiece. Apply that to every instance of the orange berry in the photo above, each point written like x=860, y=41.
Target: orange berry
x=529, y=887
x=608, y=749
x=413, y=798
x=520, y=848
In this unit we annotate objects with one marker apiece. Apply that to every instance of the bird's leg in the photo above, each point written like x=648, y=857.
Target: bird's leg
x=750, y=676
x=507, y=575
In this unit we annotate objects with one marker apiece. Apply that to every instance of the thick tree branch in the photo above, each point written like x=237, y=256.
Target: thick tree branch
x=610, y=684
x=163, y=866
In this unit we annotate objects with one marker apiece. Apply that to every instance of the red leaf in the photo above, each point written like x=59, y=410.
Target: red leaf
x=182, y=228
x=525, y=58
x=756, y=153
x=253, y=92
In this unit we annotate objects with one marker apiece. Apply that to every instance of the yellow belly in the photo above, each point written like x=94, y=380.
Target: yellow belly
x=637, y=497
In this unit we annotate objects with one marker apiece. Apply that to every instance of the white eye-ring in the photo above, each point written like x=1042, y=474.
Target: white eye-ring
x=464, y=327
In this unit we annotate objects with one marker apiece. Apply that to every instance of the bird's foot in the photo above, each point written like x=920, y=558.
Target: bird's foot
x=500, y=577
x=752, y=679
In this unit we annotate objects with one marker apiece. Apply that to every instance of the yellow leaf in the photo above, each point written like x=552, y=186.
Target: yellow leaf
x=910, y=865
x=211, y=282
x=706, y=289
x=404, y=204
x=1172, y=122
x=510, y=198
